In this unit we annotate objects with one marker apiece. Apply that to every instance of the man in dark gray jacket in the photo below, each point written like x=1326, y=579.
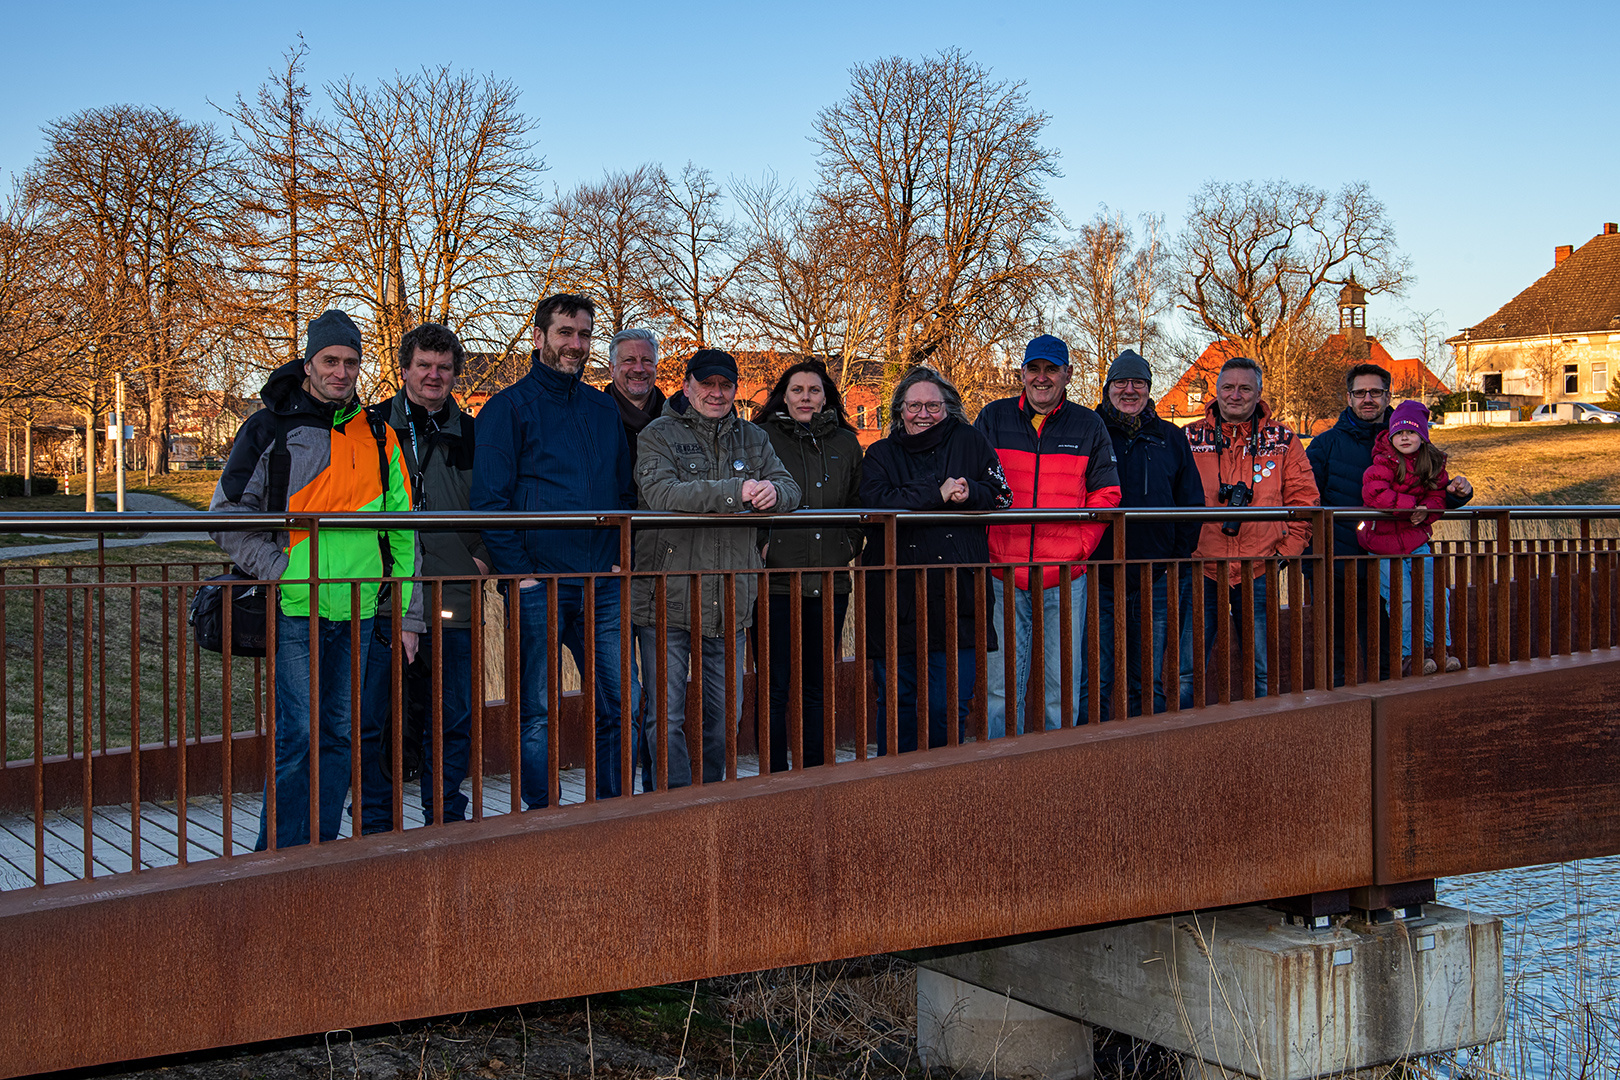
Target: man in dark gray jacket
x=436, y=438
x=700, y=457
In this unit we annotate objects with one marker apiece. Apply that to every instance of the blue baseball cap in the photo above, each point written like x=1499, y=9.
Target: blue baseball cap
x=1047, y=347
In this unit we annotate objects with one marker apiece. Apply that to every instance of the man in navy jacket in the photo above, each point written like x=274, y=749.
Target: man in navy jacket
x=550, y=442
x=1156, y=468
x=1339, y=457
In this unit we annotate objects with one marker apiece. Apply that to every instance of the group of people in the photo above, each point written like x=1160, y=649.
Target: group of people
x=552, y=443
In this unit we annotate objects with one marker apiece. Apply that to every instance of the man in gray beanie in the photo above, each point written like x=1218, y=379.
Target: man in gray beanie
x=313, y=449
x=1156, y=468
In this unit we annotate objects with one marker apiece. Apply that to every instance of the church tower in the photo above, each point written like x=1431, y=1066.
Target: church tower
x=1353, y=320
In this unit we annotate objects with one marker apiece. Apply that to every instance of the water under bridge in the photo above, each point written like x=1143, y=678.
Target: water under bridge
x=136, y=921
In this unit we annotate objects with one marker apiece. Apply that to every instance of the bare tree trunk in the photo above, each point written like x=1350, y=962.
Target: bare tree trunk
x=90, y=459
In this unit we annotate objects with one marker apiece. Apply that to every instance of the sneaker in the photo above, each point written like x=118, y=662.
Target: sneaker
x=1453, y=664
x=1429, y=666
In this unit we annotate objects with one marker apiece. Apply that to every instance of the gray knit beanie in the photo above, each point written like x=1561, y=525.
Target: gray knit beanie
x=332, y=328
x=1130, y=365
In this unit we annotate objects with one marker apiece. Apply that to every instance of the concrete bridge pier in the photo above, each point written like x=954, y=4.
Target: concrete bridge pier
x=1241, y=992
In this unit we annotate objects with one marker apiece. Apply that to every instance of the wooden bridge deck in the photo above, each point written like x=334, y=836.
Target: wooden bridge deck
x=112, y=832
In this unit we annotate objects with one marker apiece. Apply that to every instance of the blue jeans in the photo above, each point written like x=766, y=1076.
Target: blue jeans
x=675, y=668
x=1133, y=615
x=532, y=679
x=906, y=722
x=1220, y=602
x=1406, y=598
x=376, y=714
x=995, y=677
x=292, y=729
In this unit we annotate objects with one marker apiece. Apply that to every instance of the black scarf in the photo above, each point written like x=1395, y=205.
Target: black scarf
x=1128, y=425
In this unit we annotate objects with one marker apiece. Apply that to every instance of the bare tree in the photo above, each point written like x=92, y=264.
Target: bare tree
x=695, y=253
x=934, y=170
x=1427, y=329
x=428, y=207
x=281, y=196
x=1544, y=360
x=608, y=233
x=1100, y=310
x=139, y=207
x=1150, y=278
x=1255, y=259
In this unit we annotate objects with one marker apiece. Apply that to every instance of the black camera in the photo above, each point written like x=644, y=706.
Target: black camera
x=1234, y=495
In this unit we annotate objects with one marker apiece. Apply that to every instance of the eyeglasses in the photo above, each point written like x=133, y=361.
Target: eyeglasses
x=1138, y=385
x=915, y=407
x=1368, y=395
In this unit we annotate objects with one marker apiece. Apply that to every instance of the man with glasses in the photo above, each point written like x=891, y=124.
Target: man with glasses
x=1055, y=454
x=1339, y=457
x=1155, y=469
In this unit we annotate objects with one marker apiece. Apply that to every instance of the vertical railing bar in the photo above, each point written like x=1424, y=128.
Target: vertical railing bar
x=1223, y=632
x=981, y=652
x=831, y=653
x=1171, y=661
x=734, y=681
x=436, y=688
x=1273, y=575
x=953, y=673
x=512, y=690
x=1009, y=660
x=697, y=713
x=314, y=593
x=1197, y=605
x=1245, y=623
x=920, y=656
x=891, y=632
x=181, y=770
x=553, y=779
x=660, y=754
x=88, y=767
x=272, y=629
x=764, y=739
x=587, y=686
x=227, y=724
x=357, y=654
x=475, y=752
x=795, y=687
x=39, y=733
x=863, y=665
x=1144, y=643
x=135, y=728
x=1397, y=621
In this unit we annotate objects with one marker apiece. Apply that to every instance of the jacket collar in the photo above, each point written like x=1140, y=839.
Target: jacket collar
x=1362, y=430
x=552, y=380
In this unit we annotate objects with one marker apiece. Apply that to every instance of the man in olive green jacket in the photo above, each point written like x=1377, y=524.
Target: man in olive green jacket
x=700, y=457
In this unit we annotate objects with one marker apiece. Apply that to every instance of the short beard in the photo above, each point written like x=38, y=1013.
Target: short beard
x=553, y=358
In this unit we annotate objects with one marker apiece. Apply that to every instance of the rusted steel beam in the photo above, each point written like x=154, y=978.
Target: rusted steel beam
x=881, y=846
x=1497, y=767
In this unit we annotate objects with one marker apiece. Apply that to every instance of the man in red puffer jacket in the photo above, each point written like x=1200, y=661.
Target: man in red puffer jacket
x=1055, y=454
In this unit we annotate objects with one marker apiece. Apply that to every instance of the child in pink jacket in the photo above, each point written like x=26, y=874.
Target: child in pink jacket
x=1408, y=473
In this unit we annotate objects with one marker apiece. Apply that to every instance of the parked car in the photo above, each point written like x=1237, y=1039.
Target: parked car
x=1585, y=413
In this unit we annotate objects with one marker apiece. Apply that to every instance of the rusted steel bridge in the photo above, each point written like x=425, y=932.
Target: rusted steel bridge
x=136, y=921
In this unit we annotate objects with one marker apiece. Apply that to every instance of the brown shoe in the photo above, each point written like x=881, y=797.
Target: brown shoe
x=1453, y=664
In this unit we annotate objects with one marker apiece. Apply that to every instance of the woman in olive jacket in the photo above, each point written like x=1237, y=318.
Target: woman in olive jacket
x=804, y=416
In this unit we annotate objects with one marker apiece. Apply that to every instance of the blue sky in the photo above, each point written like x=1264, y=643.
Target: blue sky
x=1486, y=129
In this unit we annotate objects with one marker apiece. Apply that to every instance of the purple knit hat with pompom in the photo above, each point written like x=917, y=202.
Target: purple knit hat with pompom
x=1410, y=416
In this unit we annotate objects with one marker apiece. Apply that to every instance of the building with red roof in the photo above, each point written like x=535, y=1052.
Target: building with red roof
x=1410, y=378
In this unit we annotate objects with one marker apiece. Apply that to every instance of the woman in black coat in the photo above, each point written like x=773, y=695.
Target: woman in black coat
x=932, y=459
x=804, y=416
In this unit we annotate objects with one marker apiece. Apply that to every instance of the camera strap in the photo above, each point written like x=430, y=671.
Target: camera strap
x=1221, y=440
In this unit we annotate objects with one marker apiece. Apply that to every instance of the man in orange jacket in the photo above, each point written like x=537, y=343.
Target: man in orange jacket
x=1244, y=458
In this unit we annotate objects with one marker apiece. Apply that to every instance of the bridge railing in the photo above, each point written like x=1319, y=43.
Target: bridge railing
x=127, y=747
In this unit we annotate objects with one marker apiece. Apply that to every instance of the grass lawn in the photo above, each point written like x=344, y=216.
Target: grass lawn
x=194, y=487
x=61, y=650
x=1543, y=464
